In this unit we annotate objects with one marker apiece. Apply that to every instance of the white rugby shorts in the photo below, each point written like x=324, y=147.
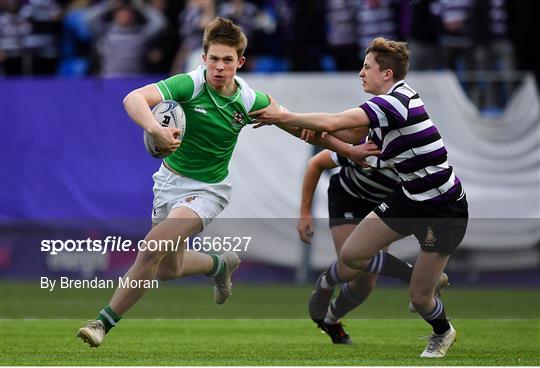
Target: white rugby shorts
x=172, y=190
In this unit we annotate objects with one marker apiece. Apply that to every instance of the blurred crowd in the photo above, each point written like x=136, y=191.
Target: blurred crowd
x=115, y=38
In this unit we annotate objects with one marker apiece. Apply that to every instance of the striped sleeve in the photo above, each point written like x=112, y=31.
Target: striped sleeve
x=385, y=111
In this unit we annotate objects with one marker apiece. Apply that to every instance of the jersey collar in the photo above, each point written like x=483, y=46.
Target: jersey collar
x=395, y=86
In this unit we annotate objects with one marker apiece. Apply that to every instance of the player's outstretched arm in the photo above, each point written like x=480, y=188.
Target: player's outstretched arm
x=137, y=105
x=356, y=154
x=354, y=135
x=315, y=167
x=334, y=142
x=320, y=121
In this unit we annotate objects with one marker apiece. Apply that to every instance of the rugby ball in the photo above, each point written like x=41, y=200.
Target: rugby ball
x=168, y=114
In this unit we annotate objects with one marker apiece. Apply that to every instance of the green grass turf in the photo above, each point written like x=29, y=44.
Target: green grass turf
x=261, y=325
x=194, y=300
x=265, y=342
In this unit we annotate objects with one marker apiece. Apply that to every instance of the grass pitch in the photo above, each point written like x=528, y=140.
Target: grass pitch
x=265, y=342
x=494, y=328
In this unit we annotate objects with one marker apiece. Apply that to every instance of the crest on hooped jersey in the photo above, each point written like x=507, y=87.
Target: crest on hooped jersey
x=430, y=237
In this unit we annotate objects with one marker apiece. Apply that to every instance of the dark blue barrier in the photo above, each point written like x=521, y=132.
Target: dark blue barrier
x=22, y=257
x=69, y=151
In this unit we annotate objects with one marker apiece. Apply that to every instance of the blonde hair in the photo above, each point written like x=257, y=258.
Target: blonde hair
x=392, y=55
x=223, y=31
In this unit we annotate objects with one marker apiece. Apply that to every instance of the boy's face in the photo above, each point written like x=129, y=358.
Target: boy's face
x=221, y=64
x=374, y=80
x=124, y=17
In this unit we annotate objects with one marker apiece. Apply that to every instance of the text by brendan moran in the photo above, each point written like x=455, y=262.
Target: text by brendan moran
x=95, y=283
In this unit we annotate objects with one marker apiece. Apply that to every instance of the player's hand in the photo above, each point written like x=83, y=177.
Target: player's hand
x=307, y=134
x=167, y=139
x=359, y=153
x=305, y=228
x=271, y=114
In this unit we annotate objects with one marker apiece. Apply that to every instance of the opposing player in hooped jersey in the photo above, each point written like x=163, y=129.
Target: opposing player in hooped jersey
x=352, y=193
x=192, y=187
x=430, y=204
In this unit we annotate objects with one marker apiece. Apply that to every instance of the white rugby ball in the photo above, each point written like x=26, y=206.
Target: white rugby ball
x=168, y=114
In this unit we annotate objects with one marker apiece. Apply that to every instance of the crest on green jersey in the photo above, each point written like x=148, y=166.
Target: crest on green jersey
x=238, y=120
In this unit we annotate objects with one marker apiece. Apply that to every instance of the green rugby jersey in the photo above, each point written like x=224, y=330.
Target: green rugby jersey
x=213, y=123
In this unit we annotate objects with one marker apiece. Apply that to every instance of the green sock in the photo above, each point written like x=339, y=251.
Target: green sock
x=109, y=318
x=218, y=268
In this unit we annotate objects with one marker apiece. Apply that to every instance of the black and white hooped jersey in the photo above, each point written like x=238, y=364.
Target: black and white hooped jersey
x=372, y=184
x=402, y=129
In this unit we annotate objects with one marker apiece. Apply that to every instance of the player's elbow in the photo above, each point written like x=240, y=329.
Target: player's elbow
x=133, y=101
x=331, y=125
x=313, y=165
x=127, y=101
x=340, y=121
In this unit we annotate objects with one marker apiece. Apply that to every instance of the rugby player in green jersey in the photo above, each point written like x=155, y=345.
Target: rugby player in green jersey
x=191, y=187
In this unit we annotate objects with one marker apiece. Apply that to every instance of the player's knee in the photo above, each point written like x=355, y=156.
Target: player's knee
x=347, y=257
x=345, y=260
x=420, y=300
x=354, y=257
x=353, y=261
x=165, y=274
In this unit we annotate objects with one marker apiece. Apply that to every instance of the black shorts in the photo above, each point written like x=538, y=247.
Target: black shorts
x=343, y=208
x=438, y=226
